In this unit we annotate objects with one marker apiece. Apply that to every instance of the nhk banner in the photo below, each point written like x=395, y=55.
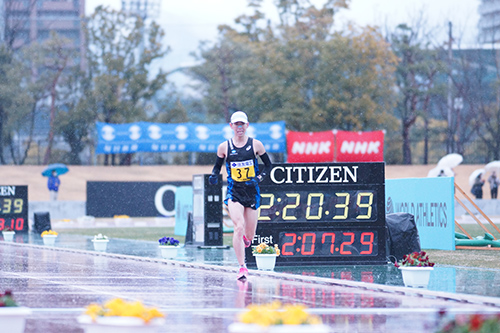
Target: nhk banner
x=350, y=146
x=359, y=146
x=309, y=146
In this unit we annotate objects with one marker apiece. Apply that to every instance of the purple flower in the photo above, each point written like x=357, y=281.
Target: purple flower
x=168, y=241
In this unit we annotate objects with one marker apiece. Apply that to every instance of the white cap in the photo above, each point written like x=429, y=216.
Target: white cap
x=239, y=116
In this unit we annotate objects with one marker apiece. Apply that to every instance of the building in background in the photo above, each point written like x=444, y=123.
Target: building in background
x=25, y=21
x=2, y=21
x=489, y=21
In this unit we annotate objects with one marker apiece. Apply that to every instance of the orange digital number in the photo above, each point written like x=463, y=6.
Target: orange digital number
x=292, y=244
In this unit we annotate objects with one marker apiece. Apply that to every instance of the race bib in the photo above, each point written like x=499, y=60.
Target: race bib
x=242, y=171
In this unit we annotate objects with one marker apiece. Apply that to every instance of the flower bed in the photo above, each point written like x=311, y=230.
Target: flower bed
x=416, y=269
x=276, y=318
x=169, y=247
x=121, y=316
x=12, y=316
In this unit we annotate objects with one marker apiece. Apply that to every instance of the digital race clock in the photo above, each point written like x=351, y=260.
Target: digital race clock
x=323, y=213
x=14, y=207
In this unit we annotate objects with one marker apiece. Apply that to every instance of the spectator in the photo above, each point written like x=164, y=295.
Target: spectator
x=477, y=187
x=494, y=181
x=53, y=185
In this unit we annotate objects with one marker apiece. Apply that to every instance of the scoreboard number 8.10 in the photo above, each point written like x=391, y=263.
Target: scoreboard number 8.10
x=14, y=207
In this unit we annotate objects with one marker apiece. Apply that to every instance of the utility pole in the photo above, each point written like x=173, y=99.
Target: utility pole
x=450, y=140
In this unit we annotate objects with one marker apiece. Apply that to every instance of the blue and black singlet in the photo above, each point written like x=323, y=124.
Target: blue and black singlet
x=241, y=165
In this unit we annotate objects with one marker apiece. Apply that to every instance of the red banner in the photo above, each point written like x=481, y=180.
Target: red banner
x=310, y=146
x=359, y=146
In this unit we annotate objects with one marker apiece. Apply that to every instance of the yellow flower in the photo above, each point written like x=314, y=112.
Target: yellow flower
x=93, y=310
x=49, y=232
x=119, y=307
x=294, y=315
x=275, y=314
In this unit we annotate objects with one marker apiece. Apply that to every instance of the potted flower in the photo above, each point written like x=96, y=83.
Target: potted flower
x=470, y=323
x=117, y=315
x=122, y=220
x=12, y=316
x=49, y=237
x=169, y=247
x=8, y=234
x=265, y=256
x=416, y=269
x=100, y=242
x=274, y=318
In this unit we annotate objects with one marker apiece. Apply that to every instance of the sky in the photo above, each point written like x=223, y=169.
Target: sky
x=188, y=22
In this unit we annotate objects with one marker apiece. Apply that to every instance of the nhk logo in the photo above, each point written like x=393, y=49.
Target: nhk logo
x=311, y=148
x=360, y=147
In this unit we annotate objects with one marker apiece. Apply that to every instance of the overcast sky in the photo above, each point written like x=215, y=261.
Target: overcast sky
x=187, y=22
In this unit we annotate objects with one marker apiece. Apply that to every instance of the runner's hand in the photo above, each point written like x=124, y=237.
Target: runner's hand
x=254, y=181
x=213, y=179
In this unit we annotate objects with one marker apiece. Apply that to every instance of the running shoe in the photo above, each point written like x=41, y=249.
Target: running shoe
x=242, y=274
x=246, y=241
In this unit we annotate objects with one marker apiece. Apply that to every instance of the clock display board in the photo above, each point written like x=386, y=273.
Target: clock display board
x=14, y=207
x=323, y=213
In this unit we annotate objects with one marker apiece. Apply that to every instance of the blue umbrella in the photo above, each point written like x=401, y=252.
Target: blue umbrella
x=59, y=168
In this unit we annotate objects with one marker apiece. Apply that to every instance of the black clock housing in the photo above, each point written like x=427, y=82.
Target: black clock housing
x=14, y=207
x=323, y=213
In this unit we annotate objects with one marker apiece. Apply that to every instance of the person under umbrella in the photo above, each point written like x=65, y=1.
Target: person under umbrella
x=53, y=184
x=53, y=171
x=494, y=181
x=477, y=187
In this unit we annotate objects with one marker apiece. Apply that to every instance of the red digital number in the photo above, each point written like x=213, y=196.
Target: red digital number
x=19, y=223
x=351, y=235
x=313, y=236
x=369, y=242
x=323, y=239
x=2, y=224
x=292, y=244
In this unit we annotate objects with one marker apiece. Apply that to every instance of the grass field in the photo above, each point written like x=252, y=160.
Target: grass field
x=465, y=258
x=146, y=234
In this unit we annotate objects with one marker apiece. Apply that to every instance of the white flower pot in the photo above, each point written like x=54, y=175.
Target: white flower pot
x=254, y=328
x=119, y=324
x=8, y=236
x=417, y=277
x=168, y=251
x=13, y=319
x=100, y=244
x=49, y=240
x=265, y=262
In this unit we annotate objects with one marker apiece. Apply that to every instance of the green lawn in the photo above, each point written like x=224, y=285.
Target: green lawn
x=147, y=234
x=468, y=258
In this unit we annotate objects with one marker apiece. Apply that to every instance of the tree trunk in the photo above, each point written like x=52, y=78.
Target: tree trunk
x=53, y=96
x=50, y=139
x=426, y=141
x=2, y=116
x=406, y=145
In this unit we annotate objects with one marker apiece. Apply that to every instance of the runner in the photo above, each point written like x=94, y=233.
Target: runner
x=243, y=178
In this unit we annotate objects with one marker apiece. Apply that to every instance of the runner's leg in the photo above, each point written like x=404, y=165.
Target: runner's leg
x=236, y=211
x=251, y=216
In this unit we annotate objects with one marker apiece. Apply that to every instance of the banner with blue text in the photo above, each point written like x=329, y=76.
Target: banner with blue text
x=183, y=137
x=431, y=201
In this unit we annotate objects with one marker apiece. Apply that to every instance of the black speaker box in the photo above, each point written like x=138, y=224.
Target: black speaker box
x=42, y=222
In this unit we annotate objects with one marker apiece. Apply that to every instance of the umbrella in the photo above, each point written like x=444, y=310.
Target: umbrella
x=474, y=175
x=493, y=166
x=451, y=160
x=59, y=168
x=437, y=170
